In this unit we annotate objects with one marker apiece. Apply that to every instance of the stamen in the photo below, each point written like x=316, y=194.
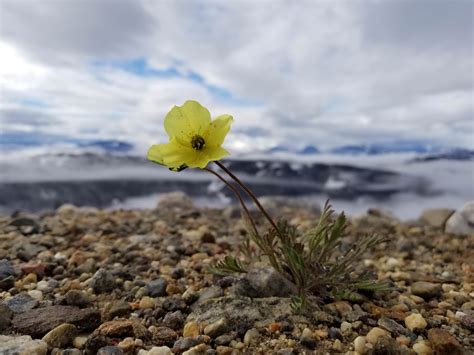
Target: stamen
x=197, y=142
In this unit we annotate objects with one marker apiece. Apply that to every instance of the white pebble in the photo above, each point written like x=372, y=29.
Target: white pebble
x=36, y=294
x=422, y=349
x=359, y=344
x=160, y=350
x=346, y=327
x=42, y=285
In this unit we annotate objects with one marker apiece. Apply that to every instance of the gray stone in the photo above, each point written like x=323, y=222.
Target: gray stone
x=394, y=328
x=22, y=345
x=209, y=293
x=77, y=298
x=184, y=344
x=103, y=281
x=176, y=200
x=116, y=309
x=267, y=282
x=174, y=320
x=425, y=289
x=224, y=339
x=157, y=287
x=37, y=322
x=462, y=221
x=436, y=217
x=242, y=313
x=467, y=322
x=110, y=350
x=6, y=315
x=7, y=275
x=21, y=302
x=60, y=336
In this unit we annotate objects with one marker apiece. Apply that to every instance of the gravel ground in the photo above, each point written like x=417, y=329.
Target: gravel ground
x=89, y=281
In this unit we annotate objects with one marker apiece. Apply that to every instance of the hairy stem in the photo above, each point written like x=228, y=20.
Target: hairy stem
x=250, y=193
x=239, y=197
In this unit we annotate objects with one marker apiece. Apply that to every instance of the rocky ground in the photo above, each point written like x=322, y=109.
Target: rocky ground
x=89, y=281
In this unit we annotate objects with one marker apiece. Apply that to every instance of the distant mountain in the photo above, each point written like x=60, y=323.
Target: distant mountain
x=107, y=145
x=279, y=149
x=387, y=148
x=18, y=140
x=309, y=149
x=455, y=154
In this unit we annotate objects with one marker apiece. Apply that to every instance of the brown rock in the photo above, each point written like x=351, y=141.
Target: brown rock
x=163, y=336
x=123, y=328
x=384, y=312
x=37, y=322
x=442, y=342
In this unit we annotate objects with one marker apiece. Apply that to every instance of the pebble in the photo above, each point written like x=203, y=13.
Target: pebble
x=184, y=344
x=77, y=298
x=337, y=345
x=224, y=339
x=198, y=350
x=467, y=322
x=21, y=302
x=79, y=342
x=421, y=348
x=191, y=329
x=7, y=274
x=415, y=321
x=36, y=294
x=102, y=281
x=359, y=344
x=157, y=287
x=374, y=334
x=251, y=336
x=267, y=282
x=43, y=286
x=346, y=327
x=61, y=336
x=110, y=350
x=425, y=289
x=127, y=345
x=163, y=335
x=217, y=328
x=442, y=342
x=116, y=309
x=308, y=339
x=6, y=315
x=160, y=350
x=174, y=320
x=147, y=303
x=14, y=344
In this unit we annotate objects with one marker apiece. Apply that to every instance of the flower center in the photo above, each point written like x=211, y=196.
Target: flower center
x=197, y=142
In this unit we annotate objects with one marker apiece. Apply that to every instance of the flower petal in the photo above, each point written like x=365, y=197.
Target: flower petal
x=154, y=153
x=218, y=129
x=183, y=122
x=175, y=155
x=216, y=153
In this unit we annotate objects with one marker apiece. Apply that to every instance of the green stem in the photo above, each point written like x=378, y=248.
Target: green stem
x=250, y=193
x=239, y=197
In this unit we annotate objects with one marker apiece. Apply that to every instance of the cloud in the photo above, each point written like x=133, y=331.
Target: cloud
x=291, y=73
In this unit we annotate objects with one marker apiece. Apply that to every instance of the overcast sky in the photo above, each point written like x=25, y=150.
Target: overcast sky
x=293, y=73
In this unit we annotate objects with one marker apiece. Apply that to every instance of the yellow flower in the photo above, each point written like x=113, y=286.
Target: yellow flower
x=195, y=140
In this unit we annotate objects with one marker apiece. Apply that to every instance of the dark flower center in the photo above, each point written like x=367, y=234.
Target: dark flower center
x=197, y=142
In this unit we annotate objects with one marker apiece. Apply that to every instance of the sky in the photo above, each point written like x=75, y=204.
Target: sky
x=292, y=73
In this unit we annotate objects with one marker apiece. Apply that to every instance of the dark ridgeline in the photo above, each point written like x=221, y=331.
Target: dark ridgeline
x=265, y=177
